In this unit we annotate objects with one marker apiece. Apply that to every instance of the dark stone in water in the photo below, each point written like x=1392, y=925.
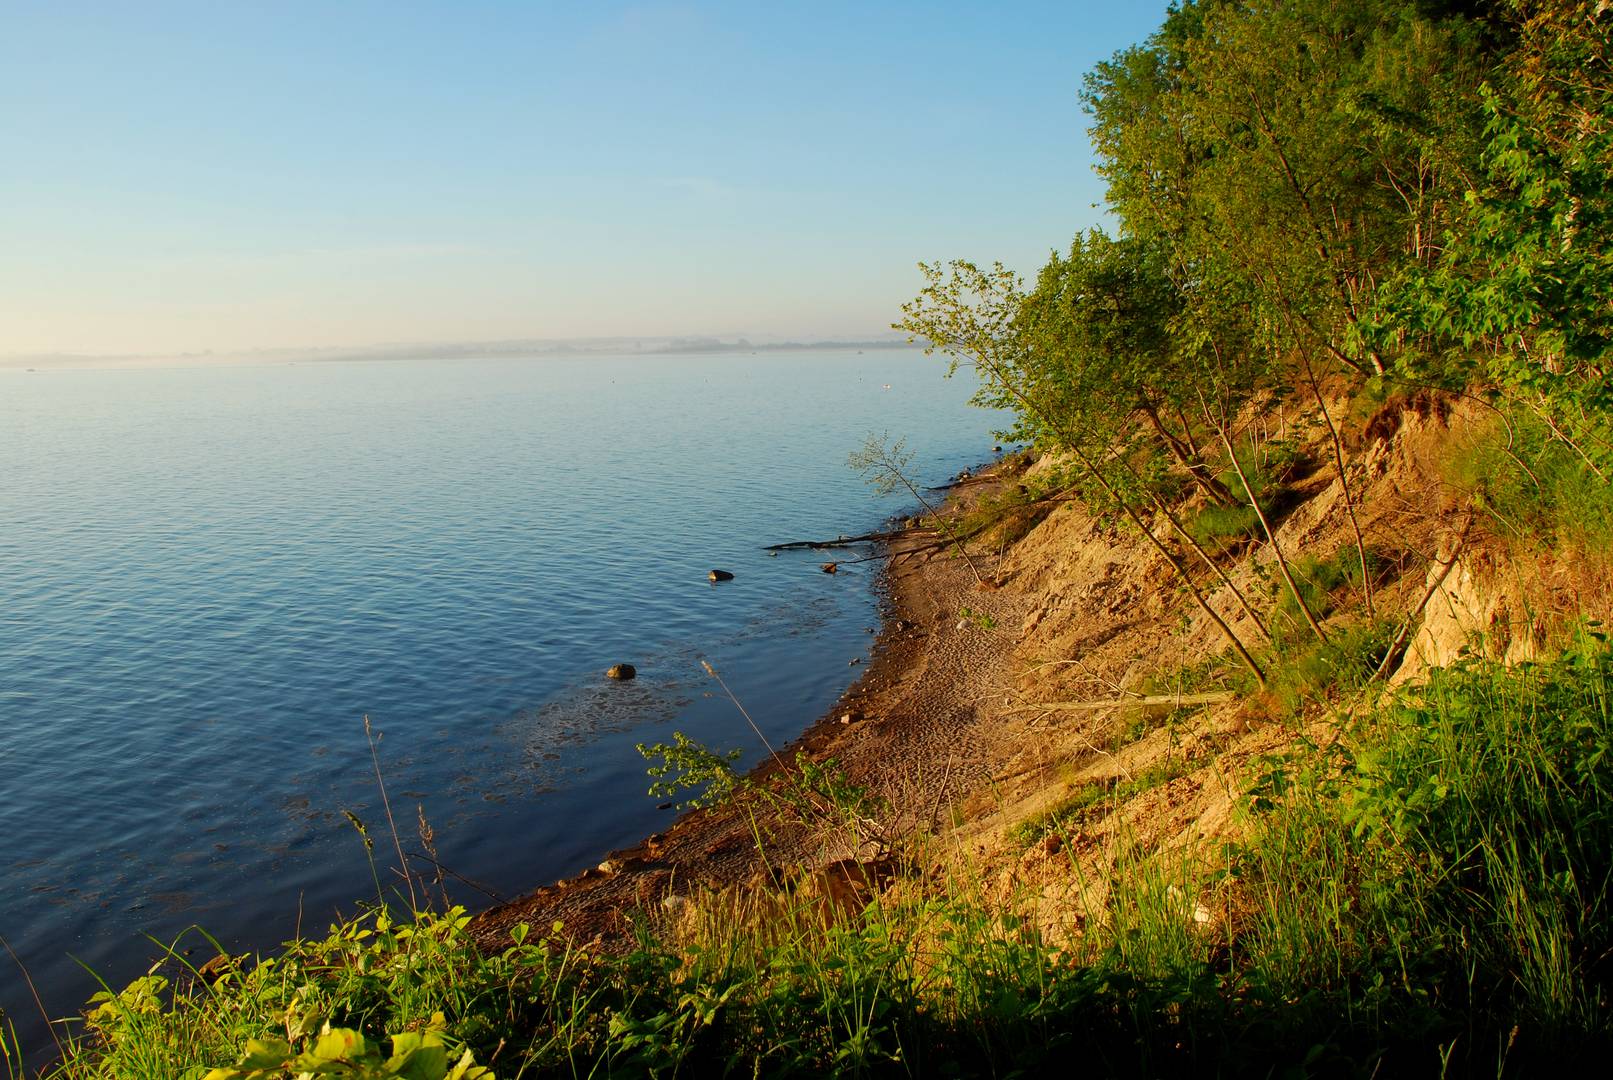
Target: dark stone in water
x=621, y=671
x=720, y=575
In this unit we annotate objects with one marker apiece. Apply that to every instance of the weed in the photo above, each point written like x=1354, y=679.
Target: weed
x=1220, y=528
x=980, y=619
x=1537, y=491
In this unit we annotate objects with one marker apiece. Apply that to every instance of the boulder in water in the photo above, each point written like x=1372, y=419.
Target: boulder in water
x=621, y=672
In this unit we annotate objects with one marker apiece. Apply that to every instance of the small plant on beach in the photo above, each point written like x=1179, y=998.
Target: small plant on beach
x=982, y=620
x=687, y=765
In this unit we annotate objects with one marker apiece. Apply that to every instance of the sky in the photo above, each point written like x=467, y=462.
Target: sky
x=181, y=177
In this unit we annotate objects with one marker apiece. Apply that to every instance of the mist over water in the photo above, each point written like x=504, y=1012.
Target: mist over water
x=210, y=576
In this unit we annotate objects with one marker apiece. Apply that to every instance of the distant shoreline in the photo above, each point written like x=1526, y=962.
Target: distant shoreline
x=490, y=350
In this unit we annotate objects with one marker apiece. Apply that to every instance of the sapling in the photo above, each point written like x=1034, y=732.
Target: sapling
x=885, y=466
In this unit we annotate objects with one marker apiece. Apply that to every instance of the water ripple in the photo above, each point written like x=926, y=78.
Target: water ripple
x=209, y=577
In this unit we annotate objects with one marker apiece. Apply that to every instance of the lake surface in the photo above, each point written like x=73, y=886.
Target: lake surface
x=210, y=576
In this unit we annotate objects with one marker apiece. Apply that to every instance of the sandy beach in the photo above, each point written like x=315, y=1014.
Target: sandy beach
x=908, y=730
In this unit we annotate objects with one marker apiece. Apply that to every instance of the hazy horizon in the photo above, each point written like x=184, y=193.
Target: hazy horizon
x=517, y=348
x=185, y=177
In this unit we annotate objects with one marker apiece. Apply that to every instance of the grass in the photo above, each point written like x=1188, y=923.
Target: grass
x=1222, y=528
x=1219, y=528
x=1541, y=495
x=1311, y=671
x=1427, y=894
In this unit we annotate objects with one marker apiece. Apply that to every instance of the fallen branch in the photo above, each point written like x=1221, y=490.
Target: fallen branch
x=1398, y=648
x=841, y=541
x=1212, y=698
x=978, y=478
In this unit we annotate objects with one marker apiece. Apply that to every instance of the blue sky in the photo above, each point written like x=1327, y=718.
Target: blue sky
x=229, y=176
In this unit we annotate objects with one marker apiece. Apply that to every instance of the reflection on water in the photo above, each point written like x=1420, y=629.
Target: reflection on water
x=208, y=577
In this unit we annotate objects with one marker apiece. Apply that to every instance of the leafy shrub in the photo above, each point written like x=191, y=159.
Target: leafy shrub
x=687, y=765
x=1317, y=671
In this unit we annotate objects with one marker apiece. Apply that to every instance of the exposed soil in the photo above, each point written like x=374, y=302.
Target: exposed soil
x=974, y=727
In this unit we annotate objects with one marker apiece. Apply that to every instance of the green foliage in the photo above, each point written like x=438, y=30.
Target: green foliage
x=1463, y=851
x=344, y=1053
x=1314, y=671
x=820, y=796
x=1536, y=490
x=1319, y=582
x=1520, y=299
x=981, y=620
x=687, y=765
x=1218, y=528
x=1083, y=362
x=1266, y=467
x=1286, y=154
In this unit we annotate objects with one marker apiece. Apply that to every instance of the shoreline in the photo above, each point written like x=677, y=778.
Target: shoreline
x=901, y=741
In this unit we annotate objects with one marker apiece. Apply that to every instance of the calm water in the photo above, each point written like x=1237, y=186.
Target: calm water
x=208, y=577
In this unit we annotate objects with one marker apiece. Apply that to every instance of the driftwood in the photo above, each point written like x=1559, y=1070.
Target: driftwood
x=976, y=478
x=839, y=541
x=1212, y=698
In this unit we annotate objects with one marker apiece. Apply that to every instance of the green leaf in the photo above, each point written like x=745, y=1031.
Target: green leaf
x=341, y=1044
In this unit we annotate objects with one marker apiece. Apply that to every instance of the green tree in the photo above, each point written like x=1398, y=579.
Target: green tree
x=1520, y=300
